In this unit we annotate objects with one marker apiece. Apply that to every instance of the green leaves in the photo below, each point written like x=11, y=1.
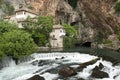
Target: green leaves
x=15, y=42
x=40, y=29
x=45, y=23
x=70, y=30
x=6, y=27
x=117, y=8
x=71, y=34
x=8, y=8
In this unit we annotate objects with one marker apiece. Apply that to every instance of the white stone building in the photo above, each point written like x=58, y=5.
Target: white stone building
x=20, y=16
x=56, y=36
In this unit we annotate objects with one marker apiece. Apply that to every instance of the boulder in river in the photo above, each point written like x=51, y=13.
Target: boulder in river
x=80, y=79
x=101, y=66
x=67, y=71
x=35, y=62
x=99, y=74
x=84, y=65
x=36, y=77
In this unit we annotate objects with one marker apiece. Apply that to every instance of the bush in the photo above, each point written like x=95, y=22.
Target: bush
x=117, y=8
x=7, y=27
x=39, y=39
x=45, y=24
x=69, y=42
x=71, y=34
x=106, y=41
x=39, y=29
x=70, y=30
x=17, y=44
x=118, y=37
x=7, y=8
x=1, y=55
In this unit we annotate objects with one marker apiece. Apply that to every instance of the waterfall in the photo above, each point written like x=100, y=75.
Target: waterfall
x=7, y=62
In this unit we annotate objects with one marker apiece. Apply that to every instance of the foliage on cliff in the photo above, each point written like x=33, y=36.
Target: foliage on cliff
x=117, y=8
x=6, y=27
x=39, y=29
x=71, y=34
x=70, y=30
x=8, y=8
x=15, y=42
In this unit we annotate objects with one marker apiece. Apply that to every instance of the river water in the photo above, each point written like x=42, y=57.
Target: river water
x=50, y=63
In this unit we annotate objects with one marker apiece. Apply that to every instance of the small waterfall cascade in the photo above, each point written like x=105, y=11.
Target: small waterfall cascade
x=7, y=62
x=45, y=56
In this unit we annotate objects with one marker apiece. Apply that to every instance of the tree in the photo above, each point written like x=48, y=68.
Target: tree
x=39, y=29
x=70, y=30
x=16, y=43
x=39, y=39
x=45, y=24
x=1, y=1
x=1, y=54
x=7, y=27
x=8, y=8
x=117, y=8
x=71, y=34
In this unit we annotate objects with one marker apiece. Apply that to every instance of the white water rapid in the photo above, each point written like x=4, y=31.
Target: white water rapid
x=50, y=62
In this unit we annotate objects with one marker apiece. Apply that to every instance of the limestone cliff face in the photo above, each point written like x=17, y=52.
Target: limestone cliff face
x=95, y=19
x=59, y=9
x=98, y=14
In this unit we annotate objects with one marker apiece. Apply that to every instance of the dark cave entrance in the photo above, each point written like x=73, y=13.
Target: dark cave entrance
x=86, y=44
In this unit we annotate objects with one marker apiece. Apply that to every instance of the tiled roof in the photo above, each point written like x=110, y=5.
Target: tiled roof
x=27, y=10
x=57, y=27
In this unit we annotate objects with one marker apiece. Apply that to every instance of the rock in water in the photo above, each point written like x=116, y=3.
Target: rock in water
x=84, y=65
x=99, y=74
x=67, y=71
x=80, y=79
x=36, y=77
x=101, y=66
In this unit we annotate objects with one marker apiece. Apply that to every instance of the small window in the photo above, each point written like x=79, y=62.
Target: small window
x=60, y=30
x=54, y=36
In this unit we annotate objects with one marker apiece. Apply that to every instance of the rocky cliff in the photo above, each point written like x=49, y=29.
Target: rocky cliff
x=95, y=19
x=99, y=15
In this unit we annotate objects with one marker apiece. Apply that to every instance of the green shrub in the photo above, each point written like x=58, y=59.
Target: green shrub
x=70, y=30
x=39, y=39
x=6, y=27
x=71, y=34
x=117, y=8
x=39, y=29
x=1, y=55
x=106, y=41
x=118, y=37
x=69, y=42
x=45, y=24
x=7, y=8
x=17, y=44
